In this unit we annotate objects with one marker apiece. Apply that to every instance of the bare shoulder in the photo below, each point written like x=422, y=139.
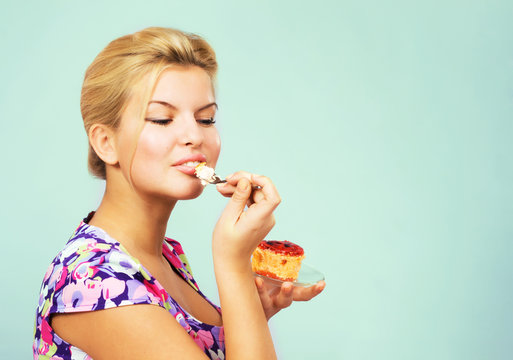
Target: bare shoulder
x=127, y=332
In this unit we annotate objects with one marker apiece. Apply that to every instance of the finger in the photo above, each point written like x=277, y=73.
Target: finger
x=257, y=195
x=287, y=288
x=284, y=298
x=262, y=292
x=236, y=205
x=265, y=206
x=305, y=294
x=259, y=282
x=267, y=189
x=270, y=288
x=226, y=189
x=320, y=286
x=234, y=178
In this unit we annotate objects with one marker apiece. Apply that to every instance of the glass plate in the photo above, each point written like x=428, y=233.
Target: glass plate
x=307, y=276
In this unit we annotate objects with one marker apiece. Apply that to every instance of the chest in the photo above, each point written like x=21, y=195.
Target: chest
x=184, y=294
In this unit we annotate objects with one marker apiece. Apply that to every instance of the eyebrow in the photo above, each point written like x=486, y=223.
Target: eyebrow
x=174, y=107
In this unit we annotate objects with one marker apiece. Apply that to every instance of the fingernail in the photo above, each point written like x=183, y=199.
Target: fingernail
x=229, y=176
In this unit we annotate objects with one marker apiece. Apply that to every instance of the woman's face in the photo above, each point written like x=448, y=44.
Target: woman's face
x=177, y=134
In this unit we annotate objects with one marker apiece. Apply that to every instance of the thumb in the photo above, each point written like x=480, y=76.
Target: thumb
x=236, y=205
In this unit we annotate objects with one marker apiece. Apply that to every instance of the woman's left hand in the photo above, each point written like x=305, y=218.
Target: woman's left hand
x=275, y=298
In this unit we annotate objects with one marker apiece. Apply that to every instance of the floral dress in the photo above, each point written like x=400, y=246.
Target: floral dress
x=95, y=272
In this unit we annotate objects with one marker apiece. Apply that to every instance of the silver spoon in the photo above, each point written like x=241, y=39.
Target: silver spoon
x=216, y=180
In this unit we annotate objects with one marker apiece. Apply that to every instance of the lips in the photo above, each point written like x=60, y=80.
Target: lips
x=191, y=158
x=187, y=164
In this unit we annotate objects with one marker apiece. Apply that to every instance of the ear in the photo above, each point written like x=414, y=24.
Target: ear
x=101, y=138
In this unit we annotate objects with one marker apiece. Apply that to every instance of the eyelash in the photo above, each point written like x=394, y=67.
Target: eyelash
x=207, y=122
x=164, y=122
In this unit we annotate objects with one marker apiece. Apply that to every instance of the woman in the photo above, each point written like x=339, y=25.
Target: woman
x=148, y=106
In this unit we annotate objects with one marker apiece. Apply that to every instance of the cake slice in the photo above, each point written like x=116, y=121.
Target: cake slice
x=278, y=260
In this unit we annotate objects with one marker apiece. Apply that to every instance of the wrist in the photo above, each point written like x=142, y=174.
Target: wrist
x=229, y=258
x=224, y=267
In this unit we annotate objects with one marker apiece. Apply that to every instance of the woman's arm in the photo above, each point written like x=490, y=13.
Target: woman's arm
x=236, y=235
x=127, y=332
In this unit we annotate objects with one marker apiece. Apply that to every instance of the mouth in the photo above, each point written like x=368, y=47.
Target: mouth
x=191, y=160
x=187, y=165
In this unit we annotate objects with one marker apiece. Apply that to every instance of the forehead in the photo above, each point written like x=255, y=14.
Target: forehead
x=184, y=86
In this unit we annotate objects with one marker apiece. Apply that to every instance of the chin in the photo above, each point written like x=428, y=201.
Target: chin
x=188, y=193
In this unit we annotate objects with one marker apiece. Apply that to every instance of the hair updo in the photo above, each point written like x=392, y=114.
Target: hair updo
x=110, y=80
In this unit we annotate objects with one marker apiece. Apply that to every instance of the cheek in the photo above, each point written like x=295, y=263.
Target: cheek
x=214, y=145
x=154, y=144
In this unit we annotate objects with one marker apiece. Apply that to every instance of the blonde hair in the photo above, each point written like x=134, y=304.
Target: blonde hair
x=111, y=78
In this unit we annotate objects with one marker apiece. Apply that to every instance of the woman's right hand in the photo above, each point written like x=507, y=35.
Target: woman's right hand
x=239, y=229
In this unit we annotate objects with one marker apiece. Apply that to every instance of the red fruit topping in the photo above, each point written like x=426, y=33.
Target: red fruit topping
x=282, y=247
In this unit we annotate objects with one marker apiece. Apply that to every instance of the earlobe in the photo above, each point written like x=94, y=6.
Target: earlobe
x=102, y=141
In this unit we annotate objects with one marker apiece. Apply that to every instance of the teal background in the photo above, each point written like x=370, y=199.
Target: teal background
x=386, y=126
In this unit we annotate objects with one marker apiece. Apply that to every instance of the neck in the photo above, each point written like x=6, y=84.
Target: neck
x=139, y=224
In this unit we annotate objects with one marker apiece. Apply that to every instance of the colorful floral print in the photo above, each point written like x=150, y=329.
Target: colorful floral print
x=95, y=272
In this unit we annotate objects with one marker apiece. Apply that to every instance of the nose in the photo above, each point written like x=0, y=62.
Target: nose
x=190, y=132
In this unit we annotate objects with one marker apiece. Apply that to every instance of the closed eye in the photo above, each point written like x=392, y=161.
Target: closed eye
x=207, y=122
x=162, y=122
